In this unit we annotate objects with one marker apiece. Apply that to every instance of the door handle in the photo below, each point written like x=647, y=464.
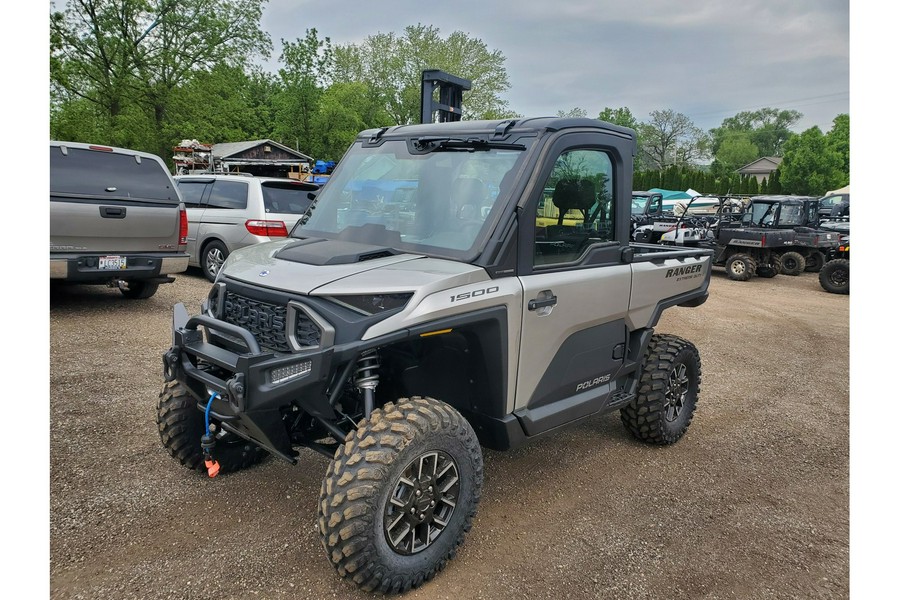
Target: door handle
x=542, y=303
x=110, y=212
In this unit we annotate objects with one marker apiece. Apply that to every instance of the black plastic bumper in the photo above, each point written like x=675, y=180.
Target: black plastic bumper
x=253, y=385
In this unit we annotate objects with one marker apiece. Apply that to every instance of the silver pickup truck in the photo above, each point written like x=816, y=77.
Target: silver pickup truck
x=115, y=219
x=454, y=285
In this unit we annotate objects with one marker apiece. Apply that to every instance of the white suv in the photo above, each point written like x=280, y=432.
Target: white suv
x=227, y=212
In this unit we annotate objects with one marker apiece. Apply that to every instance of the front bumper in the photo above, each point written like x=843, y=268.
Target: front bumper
x=255, y=386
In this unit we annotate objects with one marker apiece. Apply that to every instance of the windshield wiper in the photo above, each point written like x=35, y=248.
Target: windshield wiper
x=437, y=144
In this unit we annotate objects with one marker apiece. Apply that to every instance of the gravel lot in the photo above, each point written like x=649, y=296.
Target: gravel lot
x=752, y=503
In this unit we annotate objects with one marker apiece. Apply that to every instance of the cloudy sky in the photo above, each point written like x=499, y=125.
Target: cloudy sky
x=708, y=59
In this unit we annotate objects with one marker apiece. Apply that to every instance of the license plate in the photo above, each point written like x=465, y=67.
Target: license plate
x=112, y=262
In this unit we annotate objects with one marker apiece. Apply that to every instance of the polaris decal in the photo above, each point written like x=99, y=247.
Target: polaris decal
x=475, y=293
x=586, y=385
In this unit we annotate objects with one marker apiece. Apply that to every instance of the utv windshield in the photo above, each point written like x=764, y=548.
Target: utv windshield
x=442, y=200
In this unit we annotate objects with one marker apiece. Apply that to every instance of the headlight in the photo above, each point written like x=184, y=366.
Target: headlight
x=374, y=304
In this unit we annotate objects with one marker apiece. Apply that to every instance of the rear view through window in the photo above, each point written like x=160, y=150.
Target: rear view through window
x=108, y=175
x=285, y=197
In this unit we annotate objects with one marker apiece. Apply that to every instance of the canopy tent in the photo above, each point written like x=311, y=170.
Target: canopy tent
x=843, y=190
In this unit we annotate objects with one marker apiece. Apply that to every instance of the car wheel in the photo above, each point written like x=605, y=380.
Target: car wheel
x=740, y=267
x=667, y=391
x=400, y=495
x=792, y=263
x=214, y=255
x=835, y=276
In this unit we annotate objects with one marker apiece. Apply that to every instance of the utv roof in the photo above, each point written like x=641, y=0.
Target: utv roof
x=496, y=130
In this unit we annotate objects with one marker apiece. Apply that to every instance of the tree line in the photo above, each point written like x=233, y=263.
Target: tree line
x=146, y=74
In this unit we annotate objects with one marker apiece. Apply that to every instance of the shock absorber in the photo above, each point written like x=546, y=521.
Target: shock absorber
x=366, y=378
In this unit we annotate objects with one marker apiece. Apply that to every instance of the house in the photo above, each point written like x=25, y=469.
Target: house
x=261, y=157
x=761, y=168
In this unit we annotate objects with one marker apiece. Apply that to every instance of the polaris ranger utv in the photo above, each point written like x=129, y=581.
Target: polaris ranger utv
x=421, y=312
x=811, y=244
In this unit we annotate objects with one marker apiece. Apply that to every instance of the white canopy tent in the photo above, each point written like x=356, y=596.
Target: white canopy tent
x=843, y=190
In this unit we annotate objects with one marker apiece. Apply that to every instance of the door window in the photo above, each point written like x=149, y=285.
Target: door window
x=577, y=208
x=192, y=192
x=228, y=194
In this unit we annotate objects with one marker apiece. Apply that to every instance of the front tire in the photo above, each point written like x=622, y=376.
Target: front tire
x=835, y=276
x=213, y=257
x=181, y=425
x=400, y=495
x=792, y=263
x=667, y=392
x=740, y=267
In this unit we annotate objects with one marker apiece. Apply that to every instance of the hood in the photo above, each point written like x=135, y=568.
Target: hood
x=301, y=266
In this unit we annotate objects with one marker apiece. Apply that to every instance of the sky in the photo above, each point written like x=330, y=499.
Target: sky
x=707, y=59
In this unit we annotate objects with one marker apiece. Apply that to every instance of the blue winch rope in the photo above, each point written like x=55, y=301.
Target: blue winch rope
x=212, y=397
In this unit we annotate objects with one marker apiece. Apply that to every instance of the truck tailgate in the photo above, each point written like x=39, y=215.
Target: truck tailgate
x=84, y=225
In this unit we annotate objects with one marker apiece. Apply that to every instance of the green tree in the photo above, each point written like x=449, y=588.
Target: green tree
x=810, y=166
x=839, y=140
x=671, y=138
x=128, y=55
x=306, y=71
x=767, y=129
x=345, y=109
x=734, y=152
x=576, y=112
x=392, y=66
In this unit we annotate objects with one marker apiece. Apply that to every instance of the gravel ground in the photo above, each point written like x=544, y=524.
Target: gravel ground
x=752, y=503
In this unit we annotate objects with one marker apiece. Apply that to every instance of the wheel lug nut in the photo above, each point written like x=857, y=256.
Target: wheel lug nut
x=432, y=503
x=418, y=492
x=413, y=510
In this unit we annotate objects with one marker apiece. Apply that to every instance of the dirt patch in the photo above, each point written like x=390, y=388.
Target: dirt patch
x=751, y=503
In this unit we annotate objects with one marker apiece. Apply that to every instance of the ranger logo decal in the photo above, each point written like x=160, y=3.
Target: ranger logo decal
x=679, y=271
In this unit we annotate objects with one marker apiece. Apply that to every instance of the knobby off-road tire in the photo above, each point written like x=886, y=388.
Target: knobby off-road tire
x=139, y=290
x=667, y=392
x=400, y=495
x=181, y=425
x=792, y=263
x=740, y=267
x=213, y=257
x=815, y=261
x=835, y=276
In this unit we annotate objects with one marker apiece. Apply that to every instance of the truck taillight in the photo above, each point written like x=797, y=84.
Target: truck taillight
x=268, y=228
x=182, y=227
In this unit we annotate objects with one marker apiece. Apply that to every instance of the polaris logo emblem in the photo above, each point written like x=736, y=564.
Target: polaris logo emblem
x=592, y=382
x=679, y=271
x=264, y=273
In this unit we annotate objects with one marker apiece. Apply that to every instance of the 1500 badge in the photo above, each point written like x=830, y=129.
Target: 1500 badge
x=474, y=294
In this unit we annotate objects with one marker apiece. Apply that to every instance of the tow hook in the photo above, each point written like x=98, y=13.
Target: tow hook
x=208, y=441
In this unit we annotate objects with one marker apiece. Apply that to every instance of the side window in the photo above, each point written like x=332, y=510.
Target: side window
x=229, y=194
x=577, y=207
x=191, y=192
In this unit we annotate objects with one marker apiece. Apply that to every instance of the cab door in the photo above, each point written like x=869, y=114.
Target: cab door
x=576, y=286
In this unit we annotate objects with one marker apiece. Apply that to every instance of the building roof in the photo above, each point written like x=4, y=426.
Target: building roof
x=764, y=165
x=227, y=150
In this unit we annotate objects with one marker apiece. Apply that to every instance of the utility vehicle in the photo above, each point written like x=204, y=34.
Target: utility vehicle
x=400, y=336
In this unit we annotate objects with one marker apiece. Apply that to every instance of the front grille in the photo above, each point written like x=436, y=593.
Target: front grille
x=268, y=323
x=265, y=321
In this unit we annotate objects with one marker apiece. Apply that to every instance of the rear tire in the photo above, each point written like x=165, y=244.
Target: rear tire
x=181, y=425
x=667, y=392
x=410, y=473
x=740, y=267
x=792, y=263
x=815, y=261
x=835, y=276
x=212, y=259
x=139, y=290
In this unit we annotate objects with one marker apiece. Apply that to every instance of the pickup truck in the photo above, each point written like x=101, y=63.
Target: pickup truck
x=116, y=219
x=399, y=337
